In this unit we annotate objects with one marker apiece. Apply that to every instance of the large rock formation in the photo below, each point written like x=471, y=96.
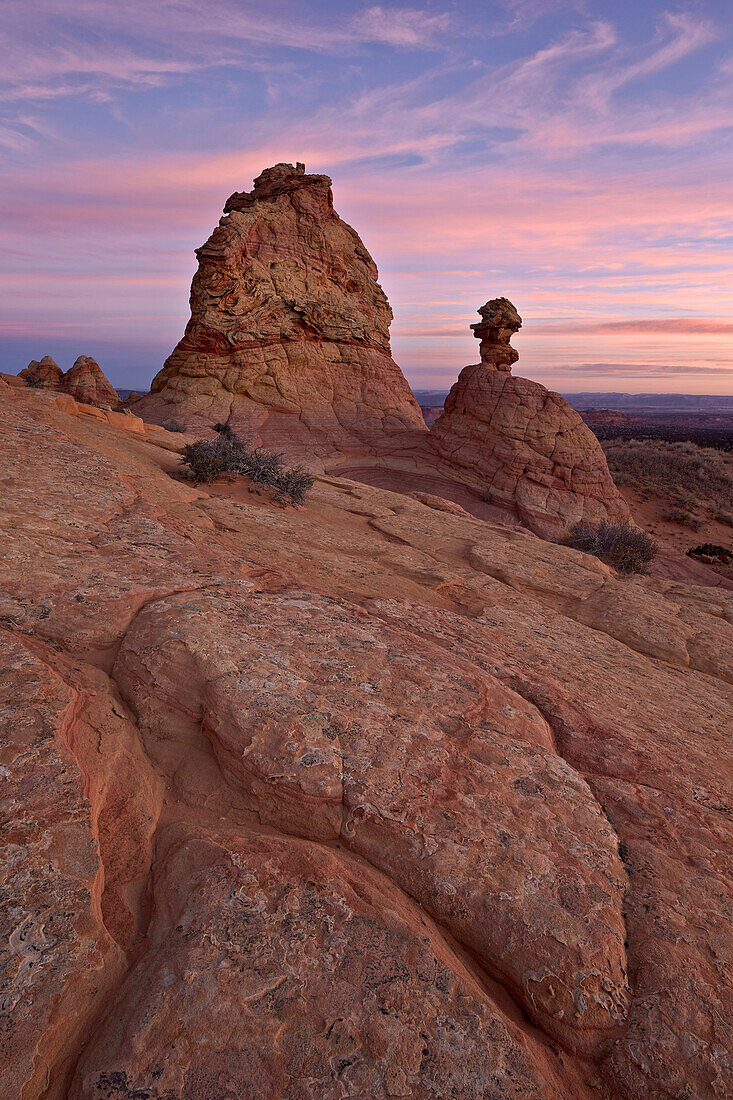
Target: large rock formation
x=367, y=799
x=517, y=442
x=288, y=340
x=85, y=381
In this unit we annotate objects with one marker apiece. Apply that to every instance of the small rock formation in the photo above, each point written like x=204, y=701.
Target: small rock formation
x=288, y=339
x=520, y=443
x=44, y=372
x=85, y=381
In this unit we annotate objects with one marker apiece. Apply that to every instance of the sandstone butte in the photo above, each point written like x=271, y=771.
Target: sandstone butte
x=288, y=343
x=379, y=797
x=85, y=381
x=289, y=331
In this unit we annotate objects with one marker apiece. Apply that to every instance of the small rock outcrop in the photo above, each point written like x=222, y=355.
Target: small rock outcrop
x=85, y=381
x=519, y=443
x=43, y=372
x=288, y=339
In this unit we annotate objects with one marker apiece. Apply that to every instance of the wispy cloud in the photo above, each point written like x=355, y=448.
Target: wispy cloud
x=562, y=153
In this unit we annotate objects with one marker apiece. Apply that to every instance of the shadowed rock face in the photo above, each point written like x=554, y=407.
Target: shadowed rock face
x=289, y=333
x=520, y=443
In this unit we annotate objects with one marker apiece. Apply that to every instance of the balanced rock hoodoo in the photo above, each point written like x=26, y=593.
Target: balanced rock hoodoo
x=288, y=340
x=519, y=443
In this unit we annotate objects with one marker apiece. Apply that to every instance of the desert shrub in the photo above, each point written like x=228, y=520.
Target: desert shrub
x=294, y=484
x=621, y=544
x=709, y=550
x=228, y=455
x=174, y=426
x=34, y=382
x=223, y=429
x=685, y=475
x=684, y=518
x=725, y=517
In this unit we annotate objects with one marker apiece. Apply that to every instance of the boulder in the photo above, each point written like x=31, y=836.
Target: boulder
x=519, y=443
x=66, y=403
x=288, y=340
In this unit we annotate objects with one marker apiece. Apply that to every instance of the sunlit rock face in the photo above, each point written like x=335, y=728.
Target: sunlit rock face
x=288, y=339
x=367, y=798
x=521, y=444
x=85, y=381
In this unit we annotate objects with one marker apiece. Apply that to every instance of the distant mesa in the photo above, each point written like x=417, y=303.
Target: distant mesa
x=85, y=381
x=520, y=443
x=288, y=340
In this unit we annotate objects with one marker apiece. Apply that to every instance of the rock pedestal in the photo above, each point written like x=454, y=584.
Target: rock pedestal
x=519, y=443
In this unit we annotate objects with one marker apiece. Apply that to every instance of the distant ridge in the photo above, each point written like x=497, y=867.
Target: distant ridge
x=661, y=402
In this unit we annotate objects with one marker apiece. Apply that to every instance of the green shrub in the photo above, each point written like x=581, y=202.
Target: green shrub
x=620, y=544
x=34, y=382
x=229, y=456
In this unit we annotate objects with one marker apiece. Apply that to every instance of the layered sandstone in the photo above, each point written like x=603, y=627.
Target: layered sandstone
x=85, y=381
x=365, y=799
x=43, y=372
x=288, y=340
x=518, y=443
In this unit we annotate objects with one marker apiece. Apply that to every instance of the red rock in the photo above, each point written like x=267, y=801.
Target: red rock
x=86, y=382
x=45, y=372
x=322, y=979
x=406, y=802
x=66, y=403
x=91, y=410
x=519, y=443
x=13, y=380
x=288, y=340
x=126, y=421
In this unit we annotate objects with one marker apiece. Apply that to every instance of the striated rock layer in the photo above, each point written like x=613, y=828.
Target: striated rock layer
x=366, y=799
x=288, y=339
x=519, y=443
x=85, y=381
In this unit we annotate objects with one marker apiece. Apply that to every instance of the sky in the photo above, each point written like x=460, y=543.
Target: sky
x=575, y=156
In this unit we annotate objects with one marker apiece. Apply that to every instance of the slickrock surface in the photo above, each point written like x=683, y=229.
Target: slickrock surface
x=85, y=381
x=288, y=339
x=367, y=798
x=518, y=442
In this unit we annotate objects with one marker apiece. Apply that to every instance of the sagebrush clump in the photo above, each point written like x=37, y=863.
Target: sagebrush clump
x=688, y=477
x=229, y=455
x=620, y=544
